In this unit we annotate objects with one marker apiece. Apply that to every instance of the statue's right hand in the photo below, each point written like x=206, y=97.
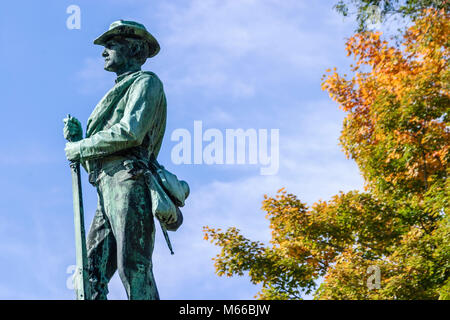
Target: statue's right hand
x=72, y=129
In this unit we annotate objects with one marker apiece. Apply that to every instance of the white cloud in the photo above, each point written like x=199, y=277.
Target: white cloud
x=218, y=116
x=218, y=43
x=93, y=78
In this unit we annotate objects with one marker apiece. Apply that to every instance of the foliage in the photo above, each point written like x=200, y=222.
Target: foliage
x=396, y=129
x=373, y=11
x=397, y=103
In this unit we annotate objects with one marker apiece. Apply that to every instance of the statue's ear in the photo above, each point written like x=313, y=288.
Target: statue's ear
x=139, y=51
x=134, y=48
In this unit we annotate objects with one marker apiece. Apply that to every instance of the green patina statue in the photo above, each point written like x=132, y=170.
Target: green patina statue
x=123, y=137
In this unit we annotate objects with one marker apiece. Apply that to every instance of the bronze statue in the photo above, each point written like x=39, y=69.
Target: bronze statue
x=123, y=137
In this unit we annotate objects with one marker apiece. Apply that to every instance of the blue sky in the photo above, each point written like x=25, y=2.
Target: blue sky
x=231, y=64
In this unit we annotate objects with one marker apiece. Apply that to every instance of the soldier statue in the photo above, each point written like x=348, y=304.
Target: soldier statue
x=123, y=137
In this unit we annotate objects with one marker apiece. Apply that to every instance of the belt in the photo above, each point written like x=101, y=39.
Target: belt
x=106, y=164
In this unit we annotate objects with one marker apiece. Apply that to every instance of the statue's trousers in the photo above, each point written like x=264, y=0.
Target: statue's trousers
x=122, y=234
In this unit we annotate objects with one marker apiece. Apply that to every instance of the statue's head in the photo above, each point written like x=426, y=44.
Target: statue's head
x=124, y=53
x=127, y=46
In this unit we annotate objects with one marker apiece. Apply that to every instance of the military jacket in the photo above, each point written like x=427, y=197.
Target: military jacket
x=128, y=121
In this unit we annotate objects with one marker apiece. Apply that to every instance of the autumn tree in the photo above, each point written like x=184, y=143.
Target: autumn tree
x=369, y=12
x=396, y=129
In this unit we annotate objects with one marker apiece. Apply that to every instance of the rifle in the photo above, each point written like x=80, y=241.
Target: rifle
x=81, y=279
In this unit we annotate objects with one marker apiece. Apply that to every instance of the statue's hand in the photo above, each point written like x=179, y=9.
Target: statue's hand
x=72, y=150
x=72, y=129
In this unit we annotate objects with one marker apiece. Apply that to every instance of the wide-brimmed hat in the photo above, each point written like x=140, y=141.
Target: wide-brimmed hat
x=130, y=29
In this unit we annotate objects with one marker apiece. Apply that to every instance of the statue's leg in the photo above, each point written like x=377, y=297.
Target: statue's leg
x=128, y=207
x=101, y=248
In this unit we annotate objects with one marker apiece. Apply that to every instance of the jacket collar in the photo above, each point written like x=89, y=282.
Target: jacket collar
x=123, y=75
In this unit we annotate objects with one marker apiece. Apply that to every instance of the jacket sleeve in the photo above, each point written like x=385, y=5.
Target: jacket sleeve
x=144, y=99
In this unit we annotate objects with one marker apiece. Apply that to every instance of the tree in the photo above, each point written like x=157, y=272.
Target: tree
x=396, y=129
x=373, y=11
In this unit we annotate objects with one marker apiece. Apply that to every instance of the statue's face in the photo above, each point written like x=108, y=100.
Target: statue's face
x=115, y=55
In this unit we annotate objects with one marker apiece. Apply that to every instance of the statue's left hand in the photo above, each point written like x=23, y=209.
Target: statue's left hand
x=72, y=150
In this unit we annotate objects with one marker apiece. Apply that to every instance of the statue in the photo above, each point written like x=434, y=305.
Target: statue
x=123, y=138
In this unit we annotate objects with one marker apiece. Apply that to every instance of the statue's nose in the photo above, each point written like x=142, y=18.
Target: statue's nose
x=104, y=53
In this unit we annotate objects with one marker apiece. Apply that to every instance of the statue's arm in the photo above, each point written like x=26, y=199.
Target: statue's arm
x=140, y=112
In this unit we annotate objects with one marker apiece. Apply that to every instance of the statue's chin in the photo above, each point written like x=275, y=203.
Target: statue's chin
x=112, y=67
x=108, y=68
